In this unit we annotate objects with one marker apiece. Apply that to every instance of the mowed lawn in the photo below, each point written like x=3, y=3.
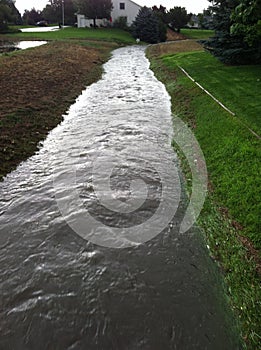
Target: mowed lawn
x=237, y=87
x=101, y=34
x=232, y=152
x=197, y=33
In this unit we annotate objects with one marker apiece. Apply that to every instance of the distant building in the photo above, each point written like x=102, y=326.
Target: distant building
x=121, y=8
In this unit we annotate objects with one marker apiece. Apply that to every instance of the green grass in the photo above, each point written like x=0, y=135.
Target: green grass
x=237, y=87
x=197, y=33
x=232, y=155
x=102, y=34
x=231, y=150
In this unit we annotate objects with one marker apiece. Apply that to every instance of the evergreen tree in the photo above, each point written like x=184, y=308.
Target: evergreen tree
x=247, y=21
x=148, y=27
x=229, y=44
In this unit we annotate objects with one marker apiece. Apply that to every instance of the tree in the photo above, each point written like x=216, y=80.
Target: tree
x=161, y=12
x=148, y=27
x=8, y=14
x=52, y=12
x=95, y=9
x=246, y=17
x=5, y=16
x=178, y=17
x=232, y=42
x=32, y=17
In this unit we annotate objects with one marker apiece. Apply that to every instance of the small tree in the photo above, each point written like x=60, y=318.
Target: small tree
x=148, y=27
x=178, y=17
x=95, y=9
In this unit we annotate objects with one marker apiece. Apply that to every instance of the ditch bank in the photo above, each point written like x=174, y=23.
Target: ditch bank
x=37, y=87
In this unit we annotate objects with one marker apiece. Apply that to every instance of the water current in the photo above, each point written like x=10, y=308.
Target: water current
x=91, y=257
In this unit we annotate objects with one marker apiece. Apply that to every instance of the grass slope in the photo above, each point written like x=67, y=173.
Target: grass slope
x=231, y=212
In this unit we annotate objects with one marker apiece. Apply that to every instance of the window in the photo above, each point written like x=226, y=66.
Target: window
x=122, y=5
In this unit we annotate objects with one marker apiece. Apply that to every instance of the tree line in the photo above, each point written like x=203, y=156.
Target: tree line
x=237, y=23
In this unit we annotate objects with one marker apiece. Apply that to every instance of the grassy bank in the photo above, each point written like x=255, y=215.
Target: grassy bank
x=102, y=34
x=230, y=216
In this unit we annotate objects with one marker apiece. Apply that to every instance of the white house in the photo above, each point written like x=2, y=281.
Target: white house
x=121, y=8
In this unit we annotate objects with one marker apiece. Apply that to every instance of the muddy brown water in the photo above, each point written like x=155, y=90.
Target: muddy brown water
x=62, y=291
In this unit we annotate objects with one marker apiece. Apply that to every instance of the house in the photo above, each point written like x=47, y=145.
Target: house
x=121, y=8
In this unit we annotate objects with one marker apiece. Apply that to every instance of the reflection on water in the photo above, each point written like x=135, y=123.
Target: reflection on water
x=59, y=291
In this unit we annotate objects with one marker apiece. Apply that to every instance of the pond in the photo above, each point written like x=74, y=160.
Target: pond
x=9, y=46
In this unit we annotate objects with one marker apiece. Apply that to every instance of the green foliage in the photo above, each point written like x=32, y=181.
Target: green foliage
x=121, y=23
x=52, y=13
x=95, y=9
x=148, y=27
x=161, y=12
x=236, y=39
x=8, y=15
x=245, y=17
x=31, y=17
x=178, y=17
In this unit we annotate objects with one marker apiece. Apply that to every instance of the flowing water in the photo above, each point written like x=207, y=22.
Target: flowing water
x=83, y=269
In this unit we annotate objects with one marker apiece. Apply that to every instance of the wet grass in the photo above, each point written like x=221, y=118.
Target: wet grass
x=102, y=34
x=230, y=217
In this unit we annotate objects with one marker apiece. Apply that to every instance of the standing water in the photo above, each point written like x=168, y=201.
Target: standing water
x=88, y=257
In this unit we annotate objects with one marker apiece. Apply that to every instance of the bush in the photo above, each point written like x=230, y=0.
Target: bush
x=121, y=23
